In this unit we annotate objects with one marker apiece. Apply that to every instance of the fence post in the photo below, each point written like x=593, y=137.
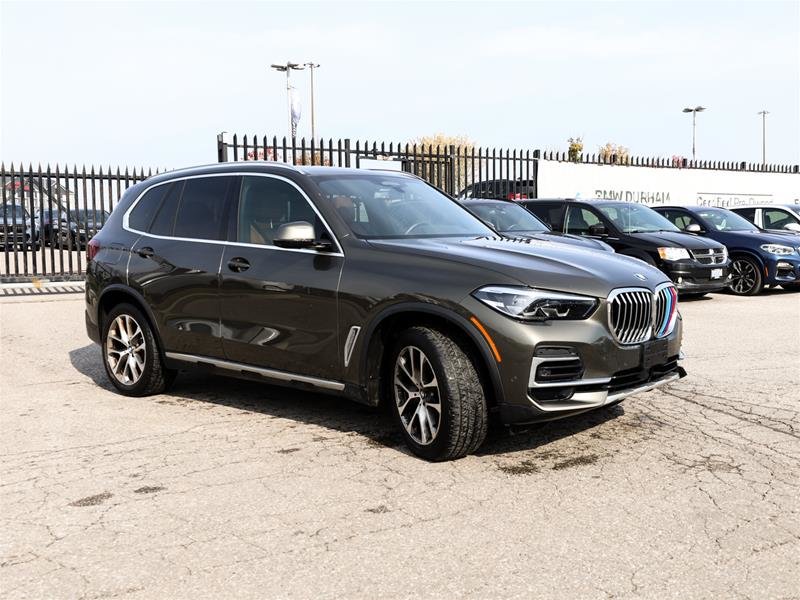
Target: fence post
x=451, y=185
x=347, y=153
x=222, y=149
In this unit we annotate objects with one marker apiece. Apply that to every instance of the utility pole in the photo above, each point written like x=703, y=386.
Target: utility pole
x=311, y=67
x=694, y=112
x=763, y=114
x=287, y=68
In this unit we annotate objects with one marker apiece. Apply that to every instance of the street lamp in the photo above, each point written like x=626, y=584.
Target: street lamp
x=763, y=114
x=288, y=68
x=694, y=112
x=311, y=66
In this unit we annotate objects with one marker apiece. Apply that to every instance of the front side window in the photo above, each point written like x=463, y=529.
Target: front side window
x=681, y=219
x=266, y=203
x=580, y=219
x=508, y=218
x=379, y=206
x=775, y=218
x=724, y=220
x=635, y=218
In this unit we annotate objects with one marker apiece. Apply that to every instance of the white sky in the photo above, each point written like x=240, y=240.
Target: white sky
x=151, y=84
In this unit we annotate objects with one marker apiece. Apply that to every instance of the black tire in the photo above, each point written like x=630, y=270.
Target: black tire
x=747, y=278
x=463, y=418
x=155, y=377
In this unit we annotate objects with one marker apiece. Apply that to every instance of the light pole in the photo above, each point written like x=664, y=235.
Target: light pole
x=694, y=112
x=311, y=66
x=288, y=68
x=763, y=114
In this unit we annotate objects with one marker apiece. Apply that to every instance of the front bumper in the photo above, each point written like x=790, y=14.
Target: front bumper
x=690, y=276
x=782, y=270
x=609, y=371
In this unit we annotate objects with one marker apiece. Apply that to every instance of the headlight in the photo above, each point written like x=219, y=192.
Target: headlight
x=530, y=304
x=673, y=253
x=777, y=249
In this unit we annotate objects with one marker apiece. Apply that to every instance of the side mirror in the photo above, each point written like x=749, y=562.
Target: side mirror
x=597, y=229
x=693, y=228
x=299, y=234
x=792, y=227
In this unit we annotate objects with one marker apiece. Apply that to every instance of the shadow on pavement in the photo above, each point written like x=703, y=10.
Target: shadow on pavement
x=330, y=411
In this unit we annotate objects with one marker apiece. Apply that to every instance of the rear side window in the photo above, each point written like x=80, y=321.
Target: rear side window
x=144, y=211
x=164, y=220
x=547, y=212
x=202, y=208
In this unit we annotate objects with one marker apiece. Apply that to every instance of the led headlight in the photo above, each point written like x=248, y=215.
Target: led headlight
x=669, y=253
x=777, y=249
x=530, y=304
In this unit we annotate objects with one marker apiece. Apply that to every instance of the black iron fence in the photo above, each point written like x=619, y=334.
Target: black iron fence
x=47, y=216
x=458, y=170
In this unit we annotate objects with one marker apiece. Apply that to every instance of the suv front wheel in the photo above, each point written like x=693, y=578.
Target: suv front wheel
x=130, y=353
x=435, y=395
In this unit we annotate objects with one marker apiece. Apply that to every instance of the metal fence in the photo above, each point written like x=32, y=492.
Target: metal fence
x=47, y=216
x=458, y=170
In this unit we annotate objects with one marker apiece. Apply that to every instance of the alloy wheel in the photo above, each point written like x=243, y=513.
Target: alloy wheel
x=126, y=349
x=745, y=276
x=416, y=393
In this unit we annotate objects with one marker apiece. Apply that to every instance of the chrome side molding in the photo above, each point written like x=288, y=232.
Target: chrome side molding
x=350, y=343
x=243, y=368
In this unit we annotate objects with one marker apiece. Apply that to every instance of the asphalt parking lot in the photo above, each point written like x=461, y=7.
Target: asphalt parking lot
x=225, y=488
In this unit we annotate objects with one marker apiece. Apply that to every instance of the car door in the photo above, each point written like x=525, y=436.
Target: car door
x=279, y=305
x=175, y=262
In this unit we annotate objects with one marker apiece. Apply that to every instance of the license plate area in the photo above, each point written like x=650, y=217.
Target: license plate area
x=716, y=273
x=654, y=353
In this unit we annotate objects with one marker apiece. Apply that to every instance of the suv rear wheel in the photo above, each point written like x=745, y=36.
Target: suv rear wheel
x=435, y=395
x=130, y=354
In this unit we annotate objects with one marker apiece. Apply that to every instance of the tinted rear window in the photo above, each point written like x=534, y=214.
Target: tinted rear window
x=202, y=208
x=144, y=211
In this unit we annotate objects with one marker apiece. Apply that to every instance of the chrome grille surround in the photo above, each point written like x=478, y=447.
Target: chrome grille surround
x=636, y=315
x=630, y=314
x=710, y=256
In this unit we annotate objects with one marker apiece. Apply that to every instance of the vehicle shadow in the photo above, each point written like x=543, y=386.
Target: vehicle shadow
x=330, y=411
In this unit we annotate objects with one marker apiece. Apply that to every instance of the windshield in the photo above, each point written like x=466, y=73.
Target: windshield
x=380, y=206
x=725, y=220
x=14, y=212
x=507, y=217
x=636, y=218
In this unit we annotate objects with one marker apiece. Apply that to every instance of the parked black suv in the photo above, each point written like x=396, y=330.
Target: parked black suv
x=697, y=266
x=372, y=285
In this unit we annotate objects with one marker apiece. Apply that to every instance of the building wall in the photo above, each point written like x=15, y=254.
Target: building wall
x=652, y=185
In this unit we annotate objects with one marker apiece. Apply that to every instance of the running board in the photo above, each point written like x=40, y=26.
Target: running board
x=243, y=368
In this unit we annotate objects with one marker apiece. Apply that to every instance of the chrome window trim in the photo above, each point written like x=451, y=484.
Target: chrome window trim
x=269, y=373
x=126, y=226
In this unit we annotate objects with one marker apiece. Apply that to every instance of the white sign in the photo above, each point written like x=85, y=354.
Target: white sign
x=663, y=186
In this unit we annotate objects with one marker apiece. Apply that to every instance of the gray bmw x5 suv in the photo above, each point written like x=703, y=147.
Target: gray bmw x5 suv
x=375, y=286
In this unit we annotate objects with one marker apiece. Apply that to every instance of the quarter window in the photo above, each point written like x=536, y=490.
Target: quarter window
x=266, y=203
x=164, y=220
x=144, y=211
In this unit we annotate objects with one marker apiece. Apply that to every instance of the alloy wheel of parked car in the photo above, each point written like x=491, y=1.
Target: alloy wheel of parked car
x=131, y=357
x=746, y=280
x=416, y=393
x=436, y=395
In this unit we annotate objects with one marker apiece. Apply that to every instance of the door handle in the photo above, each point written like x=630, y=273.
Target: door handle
x=146, y=252
x=238, y=264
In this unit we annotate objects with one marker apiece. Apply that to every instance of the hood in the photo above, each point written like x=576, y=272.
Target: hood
x=676, y=239
x=566, y=238
x=755, y=238
x=536, y=263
